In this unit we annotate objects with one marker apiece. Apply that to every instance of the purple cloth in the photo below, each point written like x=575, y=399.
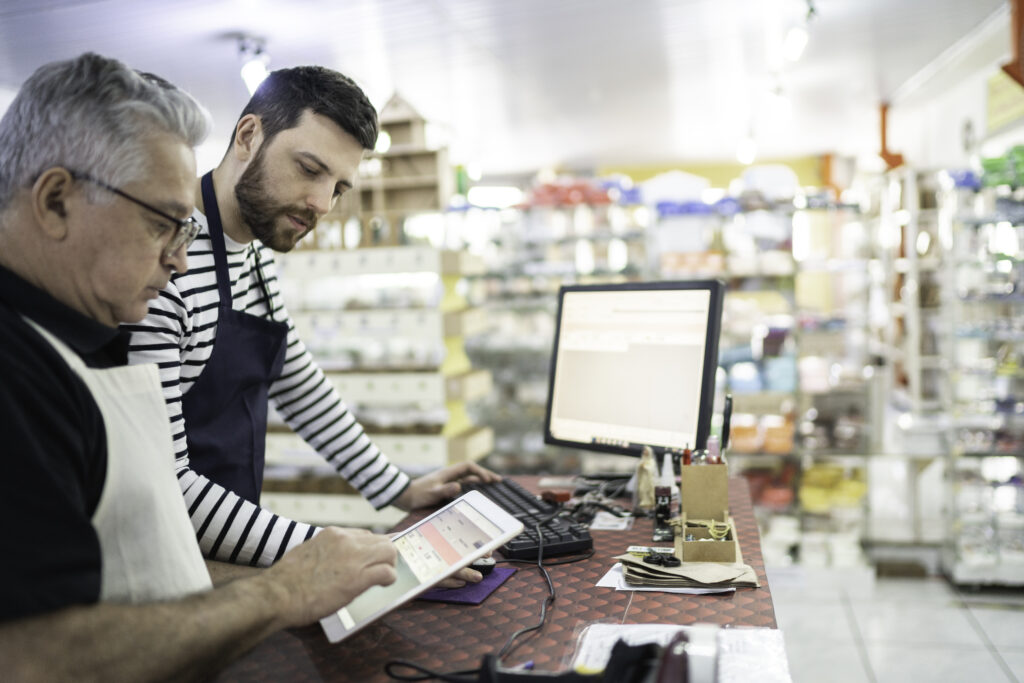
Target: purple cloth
x=471, y=593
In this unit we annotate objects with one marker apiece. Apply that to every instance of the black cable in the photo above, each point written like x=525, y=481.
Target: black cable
x=508, y=647
x=585, y=555
x=425, y=674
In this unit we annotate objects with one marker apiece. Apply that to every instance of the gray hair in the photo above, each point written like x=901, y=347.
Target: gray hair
x=91, y=114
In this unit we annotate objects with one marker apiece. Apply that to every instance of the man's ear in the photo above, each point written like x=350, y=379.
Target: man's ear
x=50, y=194
x=248, y=137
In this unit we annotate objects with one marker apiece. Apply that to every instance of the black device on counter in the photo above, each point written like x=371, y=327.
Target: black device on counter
x=559, y=535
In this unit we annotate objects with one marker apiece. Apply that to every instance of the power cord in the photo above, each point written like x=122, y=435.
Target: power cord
x=547, y=601
x=392, y=668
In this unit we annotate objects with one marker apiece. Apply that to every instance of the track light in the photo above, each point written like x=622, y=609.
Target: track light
x=254, y=62
x=795, y=41
x=746, y=150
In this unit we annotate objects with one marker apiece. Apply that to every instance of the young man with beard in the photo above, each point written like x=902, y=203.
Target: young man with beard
x=224, y=341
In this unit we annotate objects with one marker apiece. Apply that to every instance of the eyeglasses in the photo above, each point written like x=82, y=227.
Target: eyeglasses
x=185, y=229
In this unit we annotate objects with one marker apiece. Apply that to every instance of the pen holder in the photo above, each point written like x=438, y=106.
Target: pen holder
x=704, y=494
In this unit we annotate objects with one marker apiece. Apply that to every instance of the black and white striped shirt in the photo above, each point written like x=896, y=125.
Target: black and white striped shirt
x=178, y=335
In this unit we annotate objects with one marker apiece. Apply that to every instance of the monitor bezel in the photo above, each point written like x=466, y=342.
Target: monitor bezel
x=716, y=288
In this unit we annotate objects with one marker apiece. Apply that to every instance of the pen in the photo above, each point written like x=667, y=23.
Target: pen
x=726, y=419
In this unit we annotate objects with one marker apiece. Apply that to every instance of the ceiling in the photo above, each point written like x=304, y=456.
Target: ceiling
x=516, y=86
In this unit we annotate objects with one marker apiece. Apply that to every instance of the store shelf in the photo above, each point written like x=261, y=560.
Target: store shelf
x=390, y=323
x=388, y=327
x=331, y=509
x=416, y=452
x=990, y=573
x=316, y=265
x=404, y=388
x=985, y=530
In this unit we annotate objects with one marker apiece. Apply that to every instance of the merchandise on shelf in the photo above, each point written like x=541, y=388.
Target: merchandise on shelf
x=387, y=326
x=983, y=239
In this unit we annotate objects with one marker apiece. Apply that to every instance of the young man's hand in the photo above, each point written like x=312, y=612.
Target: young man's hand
x=441, y=486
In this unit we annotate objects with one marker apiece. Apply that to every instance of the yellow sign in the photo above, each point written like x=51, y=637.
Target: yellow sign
x=1005, y=102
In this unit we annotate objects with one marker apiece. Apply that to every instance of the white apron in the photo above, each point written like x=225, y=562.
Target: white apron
x=149, y=549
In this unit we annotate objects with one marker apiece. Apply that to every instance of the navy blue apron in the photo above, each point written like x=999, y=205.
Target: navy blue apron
x=226, y=409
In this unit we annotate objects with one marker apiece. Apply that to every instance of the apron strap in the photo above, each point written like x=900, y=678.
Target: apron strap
x=220, y=259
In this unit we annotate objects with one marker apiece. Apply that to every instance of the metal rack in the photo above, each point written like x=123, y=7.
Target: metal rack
x=981, y=233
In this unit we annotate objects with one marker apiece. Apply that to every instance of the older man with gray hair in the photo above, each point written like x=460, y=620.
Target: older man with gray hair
x=102, y=577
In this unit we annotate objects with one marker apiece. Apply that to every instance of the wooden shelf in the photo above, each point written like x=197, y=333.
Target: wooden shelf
x=330, y=509
x=316, y=264
x=416, y=452
x=426, y=323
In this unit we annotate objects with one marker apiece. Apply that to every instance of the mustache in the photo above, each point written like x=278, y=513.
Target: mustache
x=305, y=216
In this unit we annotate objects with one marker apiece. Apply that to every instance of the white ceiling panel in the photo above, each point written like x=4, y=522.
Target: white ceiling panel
x=515, y=86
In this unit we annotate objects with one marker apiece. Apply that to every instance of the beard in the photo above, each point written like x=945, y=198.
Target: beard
x=262, y=213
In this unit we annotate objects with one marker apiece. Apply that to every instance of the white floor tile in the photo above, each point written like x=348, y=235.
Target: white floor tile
x=813, y=661
x=807, y=621
x=1004, y=627
x=1015, y=660
x=802, y=584
x=903, y=623
x=890, y=589
x=899, y=664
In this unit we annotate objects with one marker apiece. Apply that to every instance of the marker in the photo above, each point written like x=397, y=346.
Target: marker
x=726, y=419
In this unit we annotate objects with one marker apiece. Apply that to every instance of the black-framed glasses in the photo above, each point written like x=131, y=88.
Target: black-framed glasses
x=185, y=229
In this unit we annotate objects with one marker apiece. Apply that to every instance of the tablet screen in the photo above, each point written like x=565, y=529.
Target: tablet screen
x=428, y=552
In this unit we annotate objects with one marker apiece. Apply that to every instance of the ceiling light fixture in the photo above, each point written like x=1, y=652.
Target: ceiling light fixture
x=254, y=62
x=796, y=38
x=795, y=42
x=746, y=150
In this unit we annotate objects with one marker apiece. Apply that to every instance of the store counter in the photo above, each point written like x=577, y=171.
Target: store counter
x=446, y=637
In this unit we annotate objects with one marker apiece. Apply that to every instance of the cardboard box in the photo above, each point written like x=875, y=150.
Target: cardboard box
x=704, y=491
x=704, y=496
x=726, y=549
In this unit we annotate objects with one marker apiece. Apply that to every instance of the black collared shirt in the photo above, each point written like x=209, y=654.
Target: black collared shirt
x=53, y=452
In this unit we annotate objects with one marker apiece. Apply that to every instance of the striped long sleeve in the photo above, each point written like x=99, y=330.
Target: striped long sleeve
x=178, y=335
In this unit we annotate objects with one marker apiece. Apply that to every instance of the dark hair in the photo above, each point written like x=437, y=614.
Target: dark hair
x=287, y=93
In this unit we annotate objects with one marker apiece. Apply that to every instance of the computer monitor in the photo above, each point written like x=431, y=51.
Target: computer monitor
x=633, y=365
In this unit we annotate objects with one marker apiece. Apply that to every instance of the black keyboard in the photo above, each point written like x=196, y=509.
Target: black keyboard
x=561, y=535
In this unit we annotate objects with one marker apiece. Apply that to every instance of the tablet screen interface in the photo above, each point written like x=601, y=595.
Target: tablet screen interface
x=426, y=553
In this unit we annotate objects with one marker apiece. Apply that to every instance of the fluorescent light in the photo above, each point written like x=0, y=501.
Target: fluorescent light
x=254, y=72
x=746, y=151
x=494, y=196
x=795, y=42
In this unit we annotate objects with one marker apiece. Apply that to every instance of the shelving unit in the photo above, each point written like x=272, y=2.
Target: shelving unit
x=780, y=310
x=411, y=176
x=911, y=262
x=982, y=235
x=905, y=325
x=569, y=232
x=387, y=325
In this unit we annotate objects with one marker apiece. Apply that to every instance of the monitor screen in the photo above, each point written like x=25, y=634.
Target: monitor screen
x=633, y=365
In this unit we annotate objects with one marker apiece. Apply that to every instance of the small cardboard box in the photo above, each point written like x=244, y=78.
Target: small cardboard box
x=700, y=549
x=704, y=496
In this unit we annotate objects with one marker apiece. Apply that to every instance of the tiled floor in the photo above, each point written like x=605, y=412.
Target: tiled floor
x=847, y=625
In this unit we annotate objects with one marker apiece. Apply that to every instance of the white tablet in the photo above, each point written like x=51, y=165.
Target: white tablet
x=434, y=548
